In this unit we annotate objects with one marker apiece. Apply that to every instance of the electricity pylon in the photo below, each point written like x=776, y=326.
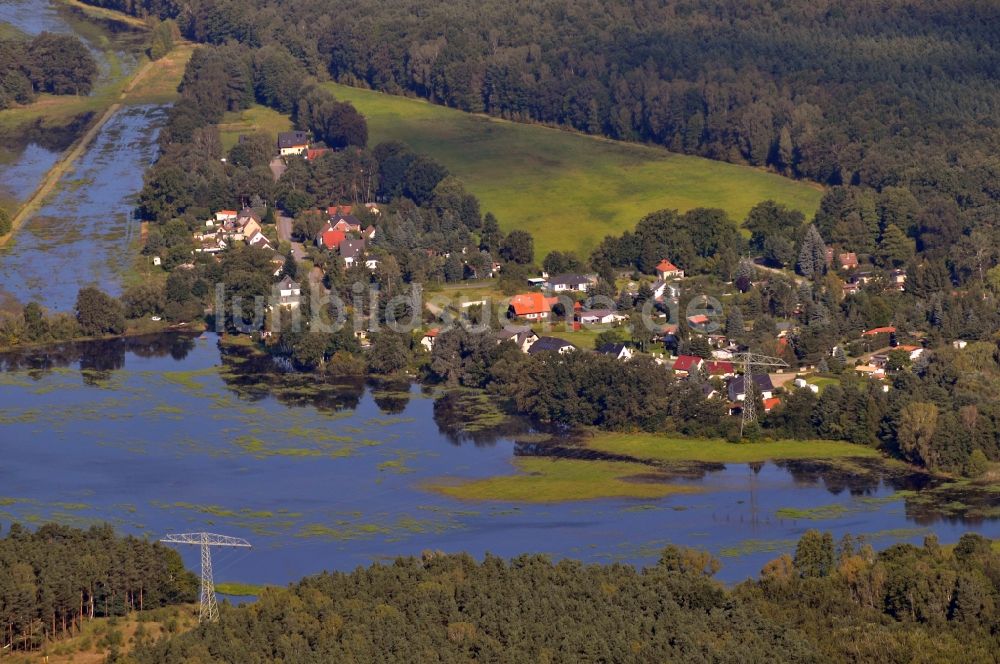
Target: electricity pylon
x=208, y=610
x=749, y=361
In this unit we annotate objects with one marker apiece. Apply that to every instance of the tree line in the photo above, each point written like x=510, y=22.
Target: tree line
x=827, y=602
x=53, y=63
x=56, y=578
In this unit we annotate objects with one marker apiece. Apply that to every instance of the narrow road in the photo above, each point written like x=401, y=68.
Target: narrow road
x=285, y=235
x=278, y=168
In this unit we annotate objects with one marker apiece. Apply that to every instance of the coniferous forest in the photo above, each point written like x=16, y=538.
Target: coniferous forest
x=827, y=603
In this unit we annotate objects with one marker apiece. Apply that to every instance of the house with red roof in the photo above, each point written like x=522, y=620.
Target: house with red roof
x=770, y=404
x=667, y=270
x=685, y=364
x=720, y=368
x=329, y=237
x=848, y=260
x=875, y=331
x=427, y=341
x=531, y=306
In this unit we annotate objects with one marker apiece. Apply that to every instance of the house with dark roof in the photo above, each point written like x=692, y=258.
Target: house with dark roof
x=762, y=386
x=351, y=250
x=619, y=351
x=522, y=337
x=289, y=293
x=568, y=282
x=551, y=345
x=292, y=142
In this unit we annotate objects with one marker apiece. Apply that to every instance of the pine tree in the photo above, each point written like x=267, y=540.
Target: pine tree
x=734, y=322
x=812, y=254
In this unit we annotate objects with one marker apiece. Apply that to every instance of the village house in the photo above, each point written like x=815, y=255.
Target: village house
x=522, y=337
x=685, y=365
x=897, y=279
x=427, y=341
x=568, y=282
x=762, y=386
x=292, y=143
x=351, y=251
x=801, y=383
x=316, y=153
x=848, y=260
x=289, y=293
x=531, y=306
x=329, y=238
x=720, y=368
x=667, y=270
x=871, y=370
x=599, y=317
x=368, y=233
x=619, y=351
x=222, y=216
x=348, y=224
x=771, y=404
x=259, y=241
x=664, y=291
x=551, y=345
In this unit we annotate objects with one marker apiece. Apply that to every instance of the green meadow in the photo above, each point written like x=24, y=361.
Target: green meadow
x=568, y=189
x=654, y=447
x=544, y=480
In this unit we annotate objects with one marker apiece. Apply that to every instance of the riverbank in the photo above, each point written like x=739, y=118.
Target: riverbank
x=154, y=82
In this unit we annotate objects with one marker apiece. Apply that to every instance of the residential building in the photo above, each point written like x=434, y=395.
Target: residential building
x=329, y=238
x=568, y=282
x=619, y=351
x=522, y=337
x=762, y=386
x=720, y=368
x=687, y=364
x=599, y=317
x=289, y=293
x=551, y=345
x=292, y=143
x=667, y=270
x=351, y=250
x=427, y=341
x=531, y=306
x=848, y=260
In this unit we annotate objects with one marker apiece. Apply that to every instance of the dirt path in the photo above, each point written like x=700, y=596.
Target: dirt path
x=65, y=162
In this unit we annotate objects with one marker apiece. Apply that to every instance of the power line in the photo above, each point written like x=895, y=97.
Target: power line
x=208, y=610
x=750, y=361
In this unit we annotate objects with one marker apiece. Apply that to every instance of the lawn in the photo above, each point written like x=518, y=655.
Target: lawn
x=543, y=480
x=663, y=448
x=257, y=118
x=568, y=189
x=159, y=84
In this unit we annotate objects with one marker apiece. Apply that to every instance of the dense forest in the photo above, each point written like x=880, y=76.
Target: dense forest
x=55, y=578
x=899, y=94
x=828, y=603
x=53, y=63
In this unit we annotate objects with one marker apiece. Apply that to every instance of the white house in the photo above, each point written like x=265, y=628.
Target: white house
x=292, y=143
x=568, y=282
x=289, y=293
x=427, y=341
x=618, y=351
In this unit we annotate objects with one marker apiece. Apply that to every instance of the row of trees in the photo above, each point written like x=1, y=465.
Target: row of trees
x=828, y=602
x=56, y=578
x=54, y=63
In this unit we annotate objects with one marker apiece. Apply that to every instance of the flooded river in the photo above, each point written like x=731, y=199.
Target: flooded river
x=80, y=235
x=153, y=437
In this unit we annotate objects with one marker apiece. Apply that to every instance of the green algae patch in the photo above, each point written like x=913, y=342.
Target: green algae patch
x=190, y=380
x=751, y=546
x=654, y=447
x=820, y=513
x=544, y=480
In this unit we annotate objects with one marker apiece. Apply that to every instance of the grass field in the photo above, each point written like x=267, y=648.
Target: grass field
x=664, y=448
x=543, y=480
x=257, y=118
x=568, y=189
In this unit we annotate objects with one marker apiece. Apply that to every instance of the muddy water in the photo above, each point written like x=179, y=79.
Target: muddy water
x=157, y=435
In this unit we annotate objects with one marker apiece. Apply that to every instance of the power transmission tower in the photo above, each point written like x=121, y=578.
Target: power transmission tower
x=208, y=610
x=749, y=362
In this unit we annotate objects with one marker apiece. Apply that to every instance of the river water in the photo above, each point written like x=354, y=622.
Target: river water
x=150, y=436
x=81, y=233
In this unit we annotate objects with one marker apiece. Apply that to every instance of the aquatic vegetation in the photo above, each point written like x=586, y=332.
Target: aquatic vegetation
x=831, y=511
x=189, y=379
x=544, y=480
x=655, y=447
x=751, y=546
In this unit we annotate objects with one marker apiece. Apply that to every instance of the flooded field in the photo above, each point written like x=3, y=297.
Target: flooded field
x=82, y=234
x=159, y=435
